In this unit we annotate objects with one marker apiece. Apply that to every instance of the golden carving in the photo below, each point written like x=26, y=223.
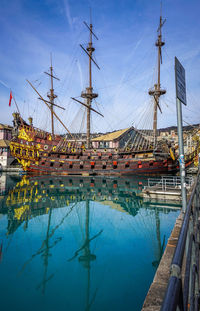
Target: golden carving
x=25, y=164
x=20, y=211
x=24, y=135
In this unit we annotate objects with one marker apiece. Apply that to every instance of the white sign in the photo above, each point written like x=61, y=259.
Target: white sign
x=180, y=81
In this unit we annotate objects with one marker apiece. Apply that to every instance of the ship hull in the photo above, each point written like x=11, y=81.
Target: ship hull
x=40, y=153
x=157, y=168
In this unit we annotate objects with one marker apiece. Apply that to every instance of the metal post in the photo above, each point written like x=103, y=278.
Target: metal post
x=198, y=160
x=181, y=154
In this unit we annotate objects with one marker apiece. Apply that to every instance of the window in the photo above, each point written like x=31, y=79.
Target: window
x=104, y=144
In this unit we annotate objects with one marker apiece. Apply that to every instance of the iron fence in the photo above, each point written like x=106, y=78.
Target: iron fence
x=183, y=287
x=169, y=182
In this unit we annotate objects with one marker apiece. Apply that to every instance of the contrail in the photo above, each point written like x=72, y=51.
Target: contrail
x=4, y=84
x=68, y=14
x=120, y=86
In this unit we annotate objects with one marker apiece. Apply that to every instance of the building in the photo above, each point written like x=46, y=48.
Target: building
x=5, y=137
x=80, y=138
x=116, y=139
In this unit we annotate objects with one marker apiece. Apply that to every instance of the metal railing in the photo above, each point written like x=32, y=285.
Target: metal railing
x=183, y=287
x=166, y=182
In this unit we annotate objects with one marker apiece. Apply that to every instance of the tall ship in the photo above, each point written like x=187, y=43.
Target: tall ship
x=138, y=152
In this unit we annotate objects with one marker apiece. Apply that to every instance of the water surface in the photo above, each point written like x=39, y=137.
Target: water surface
x=71, y=243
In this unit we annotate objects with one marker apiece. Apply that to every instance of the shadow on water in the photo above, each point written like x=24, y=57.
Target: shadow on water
x=104, y=203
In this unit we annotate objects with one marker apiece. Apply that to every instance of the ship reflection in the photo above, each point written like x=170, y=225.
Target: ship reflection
x=36, y=196
x=160, y=245
x=32, y=196
x=87, y=257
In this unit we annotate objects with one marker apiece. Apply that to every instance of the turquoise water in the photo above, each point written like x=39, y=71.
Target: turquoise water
x=76, y=243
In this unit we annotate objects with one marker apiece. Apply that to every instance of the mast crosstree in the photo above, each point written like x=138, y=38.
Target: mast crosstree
x=156, y=92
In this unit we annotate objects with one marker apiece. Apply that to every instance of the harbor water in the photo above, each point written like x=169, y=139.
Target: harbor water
x=78, y=243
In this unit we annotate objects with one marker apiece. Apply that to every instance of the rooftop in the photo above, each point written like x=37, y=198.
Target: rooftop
x=110, y=136
x=4, y=143
x=5, y=127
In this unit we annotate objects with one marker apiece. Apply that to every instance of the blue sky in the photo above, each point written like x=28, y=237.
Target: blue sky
x=30, y=30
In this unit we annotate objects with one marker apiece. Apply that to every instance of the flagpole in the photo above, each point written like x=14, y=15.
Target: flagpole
x=17, y=107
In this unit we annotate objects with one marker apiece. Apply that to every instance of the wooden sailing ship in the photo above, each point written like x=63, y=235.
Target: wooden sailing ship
x=42, y=152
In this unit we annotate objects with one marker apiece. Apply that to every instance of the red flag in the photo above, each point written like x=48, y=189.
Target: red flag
x=10, y=98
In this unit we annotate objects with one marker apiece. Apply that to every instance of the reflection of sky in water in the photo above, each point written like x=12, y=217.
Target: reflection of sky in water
x=45, y=263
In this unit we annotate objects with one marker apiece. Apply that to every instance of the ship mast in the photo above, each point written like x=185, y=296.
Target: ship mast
x=51, y=96
x=88, y=94
x=156, y=92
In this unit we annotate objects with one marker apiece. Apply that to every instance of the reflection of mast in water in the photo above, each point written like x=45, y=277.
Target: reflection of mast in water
x=44, y=250
x=160, y=248
x=87, y=256
x=47, y=246
x=46, y=255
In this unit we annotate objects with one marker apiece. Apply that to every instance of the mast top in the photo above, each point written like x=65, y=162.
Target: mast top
x=161, y=24
x=51, y=70
x=159, y=43
x=157, y=91
x=90, y=29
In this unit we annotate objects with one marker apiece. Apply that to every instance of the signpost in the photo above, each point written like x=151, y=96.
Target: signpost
x=181, y=98
x=180, y=81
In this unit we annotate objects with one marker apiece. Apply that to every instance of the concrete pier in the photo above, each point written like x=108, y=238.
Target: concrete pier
x=11, y=169
x=158, y=287
x=160, y=194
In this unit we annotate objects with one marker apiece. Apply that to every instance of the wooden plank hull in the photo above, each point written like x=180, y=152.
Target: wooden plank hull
x=97, y=168
x=39, y=153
